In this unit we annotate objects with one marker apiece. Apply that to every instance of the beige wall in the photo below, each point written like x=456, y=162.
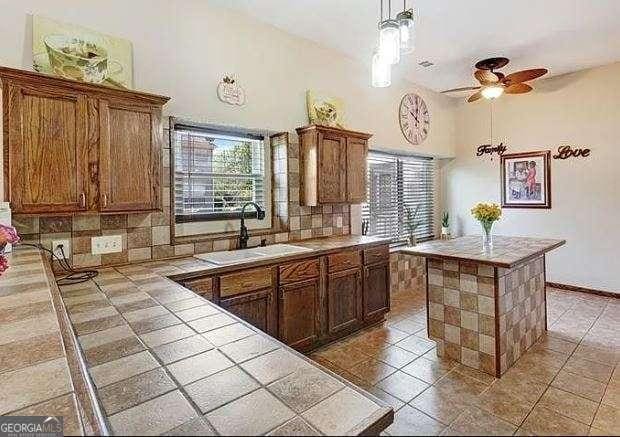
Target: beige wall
x=581, y=109
x=182, y=49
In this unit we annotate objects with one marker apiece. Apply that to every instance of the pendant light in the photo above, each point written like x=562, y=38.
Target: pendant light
x=405, y=23
x=389, y=37
x=381, y=71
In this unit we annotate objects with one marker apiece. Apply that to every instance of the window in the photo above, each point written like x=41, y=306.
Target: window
x=216, y=173
x=396, y=183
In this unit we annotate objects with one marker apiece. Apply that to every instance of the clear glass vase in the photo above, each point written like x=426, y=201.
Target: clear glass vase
x=487, y=233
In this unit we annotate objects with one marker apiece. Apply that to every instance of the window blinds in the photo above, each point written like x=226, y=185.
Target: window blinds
x=216, y=172
x=395, y=183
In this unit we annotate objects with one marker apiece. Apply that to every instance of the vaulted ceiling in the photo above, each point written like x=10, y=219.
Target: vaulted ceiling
x=561, y=35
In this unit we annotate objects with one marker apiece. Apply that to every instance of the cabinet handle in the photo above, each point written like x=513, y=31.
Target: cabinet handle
x=105, y=201
x=82, y=200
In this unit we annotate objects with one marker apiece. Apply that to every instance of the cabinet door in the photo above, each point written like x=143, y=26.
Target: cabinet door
x=332, y=168
x=130, y=150
x=257, y=308
x=344, y=300
x=356, y=170
x=298, y=314
x=47, y=133
x=376, y=290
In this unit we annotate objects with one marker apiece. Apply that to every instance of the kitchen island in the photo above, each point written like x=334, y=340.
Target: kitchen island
x=485, y=306
x=135, y=353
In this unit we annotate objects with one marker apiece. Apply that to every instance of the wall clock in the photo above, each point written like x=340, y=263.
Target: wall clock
x=414, y=118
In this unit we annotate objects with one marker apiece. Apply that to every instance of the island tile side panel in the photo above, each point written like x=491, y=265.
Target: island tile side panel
x=461, y=312
x=407, y=272
x=521, y=308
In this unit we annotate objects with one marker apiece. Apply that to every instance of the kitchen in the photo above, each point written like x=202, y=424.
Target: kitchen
x=177, y=308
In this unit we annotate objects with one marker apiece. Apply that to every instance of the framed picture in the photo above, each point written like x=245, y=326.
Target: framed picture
x=75, y=52
x=526, y=180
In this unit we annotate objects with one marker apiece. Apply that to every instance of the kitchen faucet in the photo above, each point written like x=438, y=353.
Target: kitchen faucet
x=243, y=231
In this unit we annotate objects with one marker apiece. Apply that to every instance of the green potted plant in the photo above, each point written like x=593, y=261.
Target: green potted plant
x=412, y=224
x=445, y=225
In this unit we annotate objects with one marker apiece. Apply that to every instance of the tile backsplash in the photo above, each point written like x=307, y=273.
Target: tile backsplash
x=146, y=236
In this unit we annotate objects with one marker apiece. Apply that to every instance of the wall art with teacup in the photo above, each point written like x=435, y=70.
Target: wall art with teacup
x=74, y=52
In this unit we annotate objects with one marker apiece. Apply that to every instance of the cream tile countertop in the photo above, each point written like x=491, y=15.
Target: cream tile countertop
x=159, y=359
x=506, y=251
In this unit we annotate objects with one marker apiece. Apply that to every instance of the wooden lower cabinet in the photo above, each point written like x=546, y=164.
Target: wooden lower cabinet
x=376, y=298
x=258, y=308
x=344, y=301
x=298, y=314
x=308, y=302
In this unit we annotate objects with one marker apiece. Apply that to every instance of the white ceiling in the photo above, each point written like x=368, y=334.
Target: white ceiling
x=561, y=35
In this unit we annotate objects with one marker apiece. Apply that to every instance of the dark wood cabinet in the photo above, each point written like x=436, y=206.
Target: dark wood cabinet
x=332, y=165
x=376, y=298
x=344, y=301
x=257, y=308
x=308, y=302
x=298, y=314
x=129, y=163
x=72, y=147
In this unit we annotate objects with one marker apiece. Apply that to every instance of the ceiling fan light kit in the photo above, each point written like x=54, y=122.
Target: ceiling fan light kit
x=492, y=91
x=494, y=83
x=396, y=36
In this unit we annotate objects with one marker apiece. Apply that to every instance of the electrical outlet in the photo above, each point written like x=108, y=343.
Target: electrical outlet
x=106, y=244
x=66, y=248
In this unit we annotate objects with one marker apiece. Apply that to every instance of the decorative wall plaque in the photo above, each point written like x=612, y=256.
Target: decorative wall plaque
x=488, y=149
x=565, y=152
x=229, y=91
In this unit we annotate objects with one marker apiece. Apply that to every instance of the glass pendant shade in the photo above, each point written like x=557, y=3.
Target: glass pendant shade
x=381, y=71
x=389, y=41
x=407, y=35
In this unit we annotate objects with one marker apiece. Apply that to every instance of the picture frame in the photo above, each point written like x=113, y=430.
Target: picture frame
x=526, y=180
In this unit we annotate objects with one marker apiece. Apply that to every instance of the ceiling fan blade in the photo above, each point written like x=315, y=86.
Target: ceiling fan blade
x=524, y=76
x=467, y=88
x=475, y=97
x=486, y=77
x=518, y=88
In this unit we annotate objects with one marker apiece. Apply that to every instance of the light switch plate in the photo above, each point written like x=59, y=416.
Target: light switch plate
x=106, y=244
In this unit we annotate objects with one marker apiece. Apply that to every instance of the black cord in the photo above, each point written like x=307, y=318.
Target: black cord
x=74, y=276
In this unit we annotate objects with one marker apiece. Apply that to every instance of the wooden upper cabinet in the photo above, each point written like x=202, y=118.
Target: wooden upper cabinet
x=331, y=159
x=72, y=147
x=46, y=151
x=129, y=157
x=357, y=151
x=332, y=165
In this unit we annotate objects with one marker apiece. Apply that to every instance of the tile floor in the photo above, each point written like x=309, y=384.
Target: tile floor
x=566, y=384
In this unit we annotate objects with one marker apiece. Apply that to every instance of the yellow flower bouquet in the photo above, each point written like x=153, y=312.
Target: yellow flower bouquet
x=487, y=214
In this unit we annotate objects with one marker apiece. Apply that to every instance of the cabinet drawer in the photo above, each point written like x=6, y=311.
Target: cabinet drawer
x=201, y=286
x=299, y=271
x=344, y=260
x=376, y=255
x=244, y=281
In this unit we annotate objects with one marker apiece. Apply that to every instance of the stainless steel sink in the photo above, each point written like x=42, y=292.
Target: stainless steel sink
x=254, y=254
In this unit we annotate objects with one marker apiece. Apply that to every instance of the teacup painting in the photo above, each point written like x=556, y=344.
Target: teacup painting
x=73, y=52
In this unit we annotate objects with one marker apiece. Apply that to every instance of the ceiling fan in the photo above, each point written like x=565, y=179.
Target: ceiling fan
x=494, y=83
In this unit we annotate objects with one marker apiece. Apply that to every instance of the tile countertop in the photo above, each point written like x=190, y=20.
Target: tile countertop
x=318, y=246
x=162, y=360
x=506, y=251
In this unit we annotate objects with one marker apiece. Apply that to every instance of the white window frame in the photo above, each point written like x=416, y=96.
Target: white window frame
x=225, y=226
